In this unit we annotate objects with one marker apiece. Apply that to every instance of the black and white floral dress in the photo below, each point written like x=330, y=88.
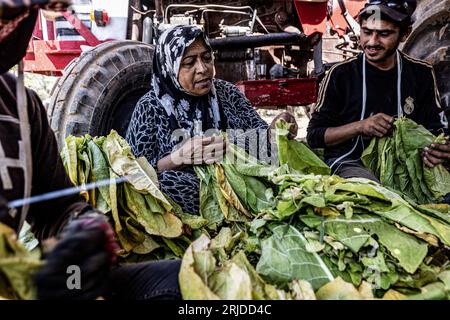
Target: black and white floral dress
x=167, y=108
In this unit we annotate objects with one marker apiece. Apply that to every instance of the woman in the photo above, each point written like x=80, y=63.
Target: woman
x=186, y=100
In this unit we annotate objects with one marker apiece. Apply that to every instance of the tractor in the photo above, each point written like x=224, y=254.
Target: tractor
x=276, y=52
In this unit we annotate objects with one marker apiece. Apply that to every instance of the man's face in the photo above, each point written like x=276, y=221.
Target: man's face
x=196, y=69
x=380, y=39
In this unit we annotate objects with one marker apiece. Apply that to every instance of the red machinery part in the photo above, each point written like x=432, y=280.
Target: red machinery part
x=337, y=19
x=82, y=29
x=280, y=92
x=312, y=15
x=52, y=56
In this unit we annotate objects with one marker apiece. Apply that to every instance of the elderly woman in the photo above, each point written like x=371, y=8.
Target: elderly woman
x=185, y=97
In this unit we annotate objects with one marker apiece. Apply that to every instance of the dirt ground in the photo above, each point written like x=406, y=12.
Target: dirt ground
x=42, y=85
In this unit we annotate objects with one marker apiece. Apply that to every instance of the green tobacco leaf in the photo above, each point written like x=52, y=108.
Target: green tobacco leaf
x=285, y=258
x=231, y=283
x=146, y=246
x=407, y=216
x=138, y=172
x=201, y=279
x=437, y=179
x=161, y=224
x=194, y=281
x=246, y=164
x=100, y=169
x=210, y=196
x=409, y=251
x=260, y=289
x=175, y=248
x=432, y=291
x=69, y=156
x=250, y=190
x=17, y=267
x=233, y=210
x=297, y=155
x=338, y=289
x=397, y=209
x=193, y=221
x=355, y=232
x=370, y=155
x=397, y=162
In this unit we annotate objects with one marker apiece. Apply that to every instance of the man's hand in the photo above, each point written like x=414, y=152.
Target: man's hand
x=436, y=154
x=87, y=244
x=289, y=118
x=200, y=150
x=378, y=125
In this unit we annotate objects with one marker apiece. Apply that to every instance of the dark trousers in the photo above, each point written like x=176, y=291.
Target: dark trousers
x=352, y=169
x=153, y=280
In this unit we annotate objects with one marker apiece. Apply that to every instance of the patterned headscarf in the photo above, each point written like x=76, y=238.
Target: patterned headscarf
x=192, y=113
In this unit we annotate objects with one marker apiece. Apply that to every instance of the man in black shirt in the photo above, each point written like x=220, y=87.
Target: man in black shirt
x=360, y=98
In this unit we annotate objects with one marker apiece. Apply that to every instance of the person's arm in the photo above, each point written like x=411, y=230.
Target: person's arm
x=82, y=236
x=326, y=114
x=148, y=133
x=195, y=151
x=378, y=125
x=48, y=218
x=289, y=118
x=167, y=163
x=432, y=118
x=428, y=102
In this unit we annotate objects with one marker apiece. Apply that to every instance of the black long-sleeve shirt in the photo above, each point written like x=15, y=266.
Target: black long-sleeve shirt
x=340, y=100
x=46, y=218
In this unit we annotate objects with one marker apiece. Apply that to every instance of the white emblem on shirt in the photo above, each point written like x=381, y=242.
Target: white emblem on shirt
x=409, y=105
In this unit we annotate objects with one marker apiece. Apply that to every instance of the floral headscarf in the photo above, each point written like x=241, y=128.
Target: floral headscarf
x=192, y=113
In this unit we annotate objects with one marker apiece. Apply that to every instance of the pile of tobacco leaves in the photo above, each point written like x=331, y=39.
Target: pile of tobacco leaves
x=396, y=160
x=148, y=224
x=280, y=227
x=290, y=231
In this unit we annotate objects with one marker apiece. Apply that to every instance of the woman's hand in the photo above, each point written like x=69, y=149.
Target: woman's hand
x=200, y=150
x=436, y=154
x=289, y=118
x=195, y=151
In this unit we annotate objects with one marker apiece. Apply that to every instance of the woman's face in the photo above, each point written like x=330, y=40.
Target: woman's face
x=196, y=69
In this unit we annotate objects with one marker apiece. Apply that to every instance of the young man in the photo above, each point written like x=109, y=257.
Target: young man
x=360, y=98
x=30, y=165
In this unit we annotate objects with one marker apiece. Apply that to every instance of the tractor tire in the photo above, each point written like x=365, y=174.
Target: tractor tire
x=430, y=41
x=99, y=89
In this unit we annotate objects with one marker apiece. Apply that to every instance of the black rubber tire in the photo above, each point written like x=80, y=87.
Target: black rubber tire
x=99, y=89
x=430, y=41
